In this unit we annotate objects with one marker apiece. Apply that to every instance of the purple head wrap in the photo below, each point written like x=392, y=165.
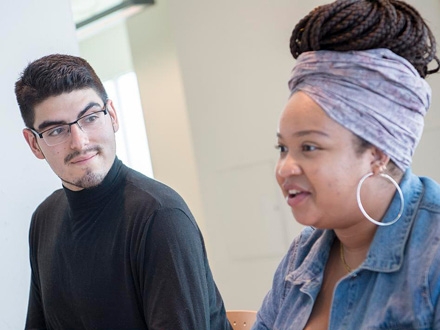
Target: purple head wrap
x=375, y=94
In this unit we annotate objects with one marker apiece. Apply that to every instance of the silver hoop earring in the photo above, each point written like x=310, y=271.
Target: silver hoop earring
x=361, y=207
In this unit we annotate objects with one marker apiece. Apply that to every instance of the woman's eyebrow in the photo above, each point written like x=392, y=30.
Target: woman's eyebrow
x=304, y=133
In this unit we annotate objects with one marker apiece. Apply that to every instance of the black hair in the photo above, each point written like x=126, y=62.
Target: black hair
x=345, y=25
x=53, y=75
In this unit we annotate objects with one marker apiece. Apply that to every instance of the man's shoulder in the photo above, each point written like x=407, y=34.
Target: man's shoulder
x=152, y=200
x=56, y=199
x=50, y=210
x=143, y=188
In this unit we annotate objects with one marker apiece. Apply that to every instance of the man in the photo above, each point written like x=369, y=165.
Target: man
x=112, y=249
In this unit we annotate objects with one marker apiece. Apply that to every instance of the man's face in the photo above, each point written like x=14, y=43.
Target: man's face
x=84, y=159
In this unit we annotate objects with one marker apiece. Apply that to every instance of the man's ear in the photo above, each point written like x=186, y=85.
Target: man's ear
x=31, y=140
x=379, y=161
x=113, y=116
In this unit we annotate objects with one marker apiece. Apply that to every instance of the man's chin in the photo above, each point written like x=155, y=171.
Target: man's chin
x=90, y=180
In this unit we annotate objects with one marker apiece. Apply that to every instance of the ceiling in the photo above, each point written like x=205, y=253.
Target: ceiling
x=92, y=16
x=84, y=9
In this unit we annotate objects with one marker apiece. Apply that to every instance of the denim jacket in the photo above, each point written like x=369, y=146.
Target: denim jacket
x=396, y=287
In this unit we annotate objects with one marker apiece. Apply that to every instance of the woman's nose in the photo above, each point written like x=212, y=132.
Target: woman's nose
x=288, y=166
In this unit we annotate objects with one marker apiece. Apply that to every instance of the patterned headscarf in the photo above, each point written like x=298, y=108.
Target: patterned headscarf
x=375, y=94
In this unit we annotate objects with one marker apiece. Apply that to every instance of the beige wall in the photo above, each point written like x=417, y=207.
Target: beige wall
x=426, y=159
x=163, y=93
x=108, y=52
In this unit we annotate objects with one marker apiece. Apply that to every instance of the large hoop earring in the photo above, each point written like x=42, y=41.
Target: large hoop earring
x=361, y=207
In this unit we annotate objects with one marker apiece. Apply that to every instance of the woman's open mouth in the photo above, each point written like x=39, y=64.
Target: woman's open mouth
x=294, y=197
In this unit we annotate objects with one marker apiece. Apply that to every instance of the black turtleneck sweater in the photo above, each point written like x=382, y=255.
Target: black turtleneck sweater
x=124, y=255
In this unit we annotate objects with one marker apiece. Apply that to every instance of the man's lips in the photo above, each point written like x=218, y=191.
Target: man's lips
x=78, y=156
x=82, y=159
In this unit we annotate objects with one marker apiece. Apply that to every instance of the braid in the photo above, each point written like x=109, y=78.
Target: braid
x=366, y=24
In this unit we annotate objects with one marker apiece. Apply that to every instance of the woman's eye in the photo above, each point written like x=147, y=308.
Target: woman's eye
x=281, y=148
x=309, y=147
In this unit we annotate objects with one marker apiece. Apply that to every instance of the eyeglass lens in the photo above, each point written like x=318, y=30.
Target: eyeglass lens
x=86, y=123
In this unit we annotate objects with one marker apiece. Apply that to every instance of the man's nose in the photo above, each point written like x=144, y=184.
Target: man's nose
x=78, y=138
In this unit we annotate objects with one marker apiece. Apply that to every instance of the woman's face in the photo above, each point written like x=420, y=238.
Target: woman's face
x=318, y=169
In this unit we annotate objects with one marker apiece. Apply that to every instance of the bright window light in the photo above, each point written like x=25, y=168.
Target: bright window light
x=131, y=139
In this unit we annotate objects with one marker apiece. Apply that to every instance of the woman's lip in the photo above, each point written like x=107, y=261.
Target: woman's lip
x=294, y=200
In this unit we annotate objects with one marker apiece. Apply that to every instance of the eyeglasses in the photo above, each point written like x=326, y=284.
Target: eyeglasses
x=59, y=134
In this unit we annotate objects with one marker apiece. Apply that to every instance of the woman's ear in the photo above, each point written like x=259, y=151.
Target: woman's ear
x=31, y=140
x=380, y=161
x=113, y=116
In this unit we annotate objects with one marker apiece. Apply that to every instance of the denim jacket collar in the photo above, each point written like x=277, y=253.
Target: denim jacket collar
x=394, y=237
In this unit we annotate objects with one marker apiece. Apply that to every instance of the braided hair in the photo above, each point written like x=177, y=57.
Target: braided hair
x=365, y=24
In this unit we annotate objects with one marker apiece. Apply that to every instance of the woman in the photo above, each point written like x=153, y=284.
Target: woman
x=369, y=257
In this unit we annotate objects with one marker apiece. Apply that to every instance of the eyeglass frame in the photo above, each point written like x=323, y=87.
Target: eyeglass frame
x=40, y=134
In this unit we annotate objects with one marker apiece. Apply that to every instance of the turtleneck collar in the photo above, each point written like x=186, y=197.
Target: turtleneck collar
x=94, y=197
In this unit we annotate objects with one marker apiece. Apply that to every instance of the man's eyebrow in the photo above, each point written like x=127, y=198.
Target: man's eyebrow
x=49, y=123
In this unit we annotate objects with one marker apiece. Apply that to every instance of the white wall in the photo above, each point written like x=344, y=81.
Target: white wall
x=231, y=60
x=29, y=30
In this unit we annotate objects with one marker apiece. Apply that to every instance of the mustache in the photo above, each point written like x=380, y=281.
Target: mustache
x=74, y=154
